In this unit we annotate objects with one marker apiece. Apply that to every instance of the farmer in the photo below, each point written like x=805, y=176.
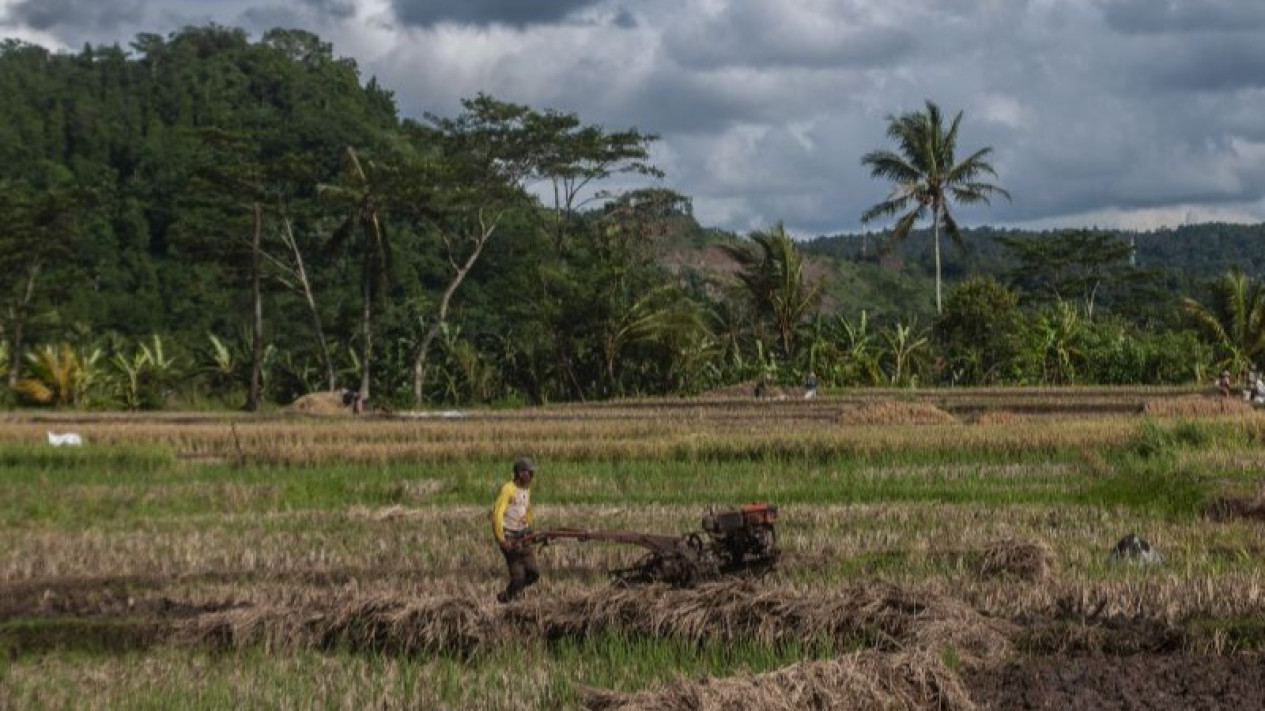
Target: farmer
x=810, y=386
x=1223, y=383
x=511, y=521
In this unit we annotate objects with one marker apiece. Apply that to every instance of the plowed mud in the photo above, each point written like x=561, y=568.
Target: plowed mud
x=1048, y=663
x=1132, y=683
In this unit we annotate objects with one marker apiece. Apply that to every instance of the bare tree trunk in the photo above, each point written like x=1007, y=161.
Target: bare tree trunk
x=19, y=314
x=935, y=222
x=301, y=272
x=459, y=274
x=366, y=326
x=257, y=317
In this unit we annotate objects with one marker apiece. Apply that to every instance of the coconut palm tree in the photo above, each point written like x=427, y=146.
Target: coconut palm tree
x=1234, y=319
x=773, y=274
x=927, y=177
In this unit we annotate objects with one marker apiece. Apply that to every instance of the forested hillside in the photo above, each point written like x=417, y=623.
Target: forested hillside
x=204, y=220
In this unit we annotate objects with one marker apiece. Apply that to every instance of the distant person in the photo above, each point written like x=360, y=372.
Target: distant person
x=511, y=522
x=810, y=386
x=352, y=399
x=761, y=389
x=1255, y=391
x=1223, y=383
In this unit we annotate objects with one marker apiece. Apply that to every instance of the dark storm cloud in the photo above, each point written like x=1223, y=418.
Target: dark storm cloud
x=624, y=19
x=1224, y=64
x=261, y=19
x=1107, y=112
x=339, y=9
x=94, y=14
x=756, y=49
x=759, y=34
x=516, y=13
x=1163, y=16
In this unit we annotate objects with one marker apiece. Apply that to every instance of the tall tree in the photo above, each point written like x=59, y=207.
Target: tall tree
x=647, y=329
x=1074, y=264
x=980, y=332
x=484, y=160
x=927, y=177
x=531, y=146
x=773, y=274
x=36, y=232
x=235, y=169
x=363, y=194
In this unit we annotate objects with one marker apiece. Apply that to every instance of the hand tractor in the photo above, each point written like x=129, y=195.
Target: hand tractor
x=739, y=541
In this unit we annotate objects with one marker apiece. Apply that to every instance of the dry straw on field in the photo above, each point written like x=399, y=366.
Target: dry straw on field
x=320, y=404
x=917, y=680
x=718, y=430
x=880, y=617
x=999, y=417
x=1195, y=406
x=1031, y=561
x=893, y=412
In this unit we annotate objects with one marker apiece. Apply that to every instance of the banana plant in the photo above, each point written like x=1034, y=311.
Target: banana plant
x=1234, y=320
x=860, y=355
x=147, y=375
x=221, y=364
x=59, y=376
x=1061, y=334
x=129, y=384
x=906, y=345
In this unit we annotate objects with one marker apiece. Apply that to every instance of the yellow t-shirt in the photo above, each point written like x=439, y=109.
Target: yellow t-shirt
x=512, y=511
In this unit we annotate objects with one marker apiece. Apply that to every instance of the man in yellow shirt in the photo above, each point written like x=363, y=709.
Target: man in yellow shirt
x=511, y=521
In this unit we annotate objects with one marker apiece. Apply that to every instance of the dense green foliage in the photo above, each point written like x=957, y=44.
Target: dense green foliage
x=414, y=260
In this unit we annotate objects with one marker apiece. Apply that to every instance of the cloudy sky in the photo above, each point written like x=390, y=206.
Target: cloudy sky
x=1130, y=113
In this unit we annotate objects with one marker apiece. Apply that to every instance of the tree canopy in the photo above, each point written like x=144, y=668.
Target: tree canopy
x=211, y=220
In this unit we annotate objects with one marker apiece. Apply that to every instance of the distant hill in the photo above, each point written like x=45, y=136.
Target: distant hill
x=899, y=283
x=1189, y=253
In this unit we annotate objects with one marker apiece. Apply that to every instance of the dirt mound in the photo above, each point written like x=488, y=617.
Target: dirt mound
x=1094, y=635
x=1132, y=682
x=1195, y=406
x=320, y=404
x=893, y=412
x=1022, y=560
x=918, y=680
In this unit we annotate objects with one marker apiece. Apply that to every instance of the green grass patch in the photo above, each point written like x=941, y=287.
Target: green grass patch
x=1160, y=439
x=28, y=636
x=535, y=675
x=24, y=462
x=113, y=488
x=1145, y=486
x=1240, y=634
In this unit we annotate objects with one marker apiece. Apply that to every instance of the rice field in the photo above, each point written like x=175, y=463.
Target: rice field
x=940, y=550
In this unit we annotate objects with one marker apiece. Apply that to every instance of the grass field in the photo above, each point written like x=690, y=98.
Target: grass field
x=221, y=562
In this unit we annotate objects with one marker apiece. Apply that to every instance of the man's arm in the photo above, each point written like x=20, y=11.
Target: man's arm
x=498, y=511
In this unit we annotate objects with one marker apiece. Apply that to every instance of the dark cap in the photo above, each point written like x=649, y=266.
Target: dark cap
x=524, y=464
